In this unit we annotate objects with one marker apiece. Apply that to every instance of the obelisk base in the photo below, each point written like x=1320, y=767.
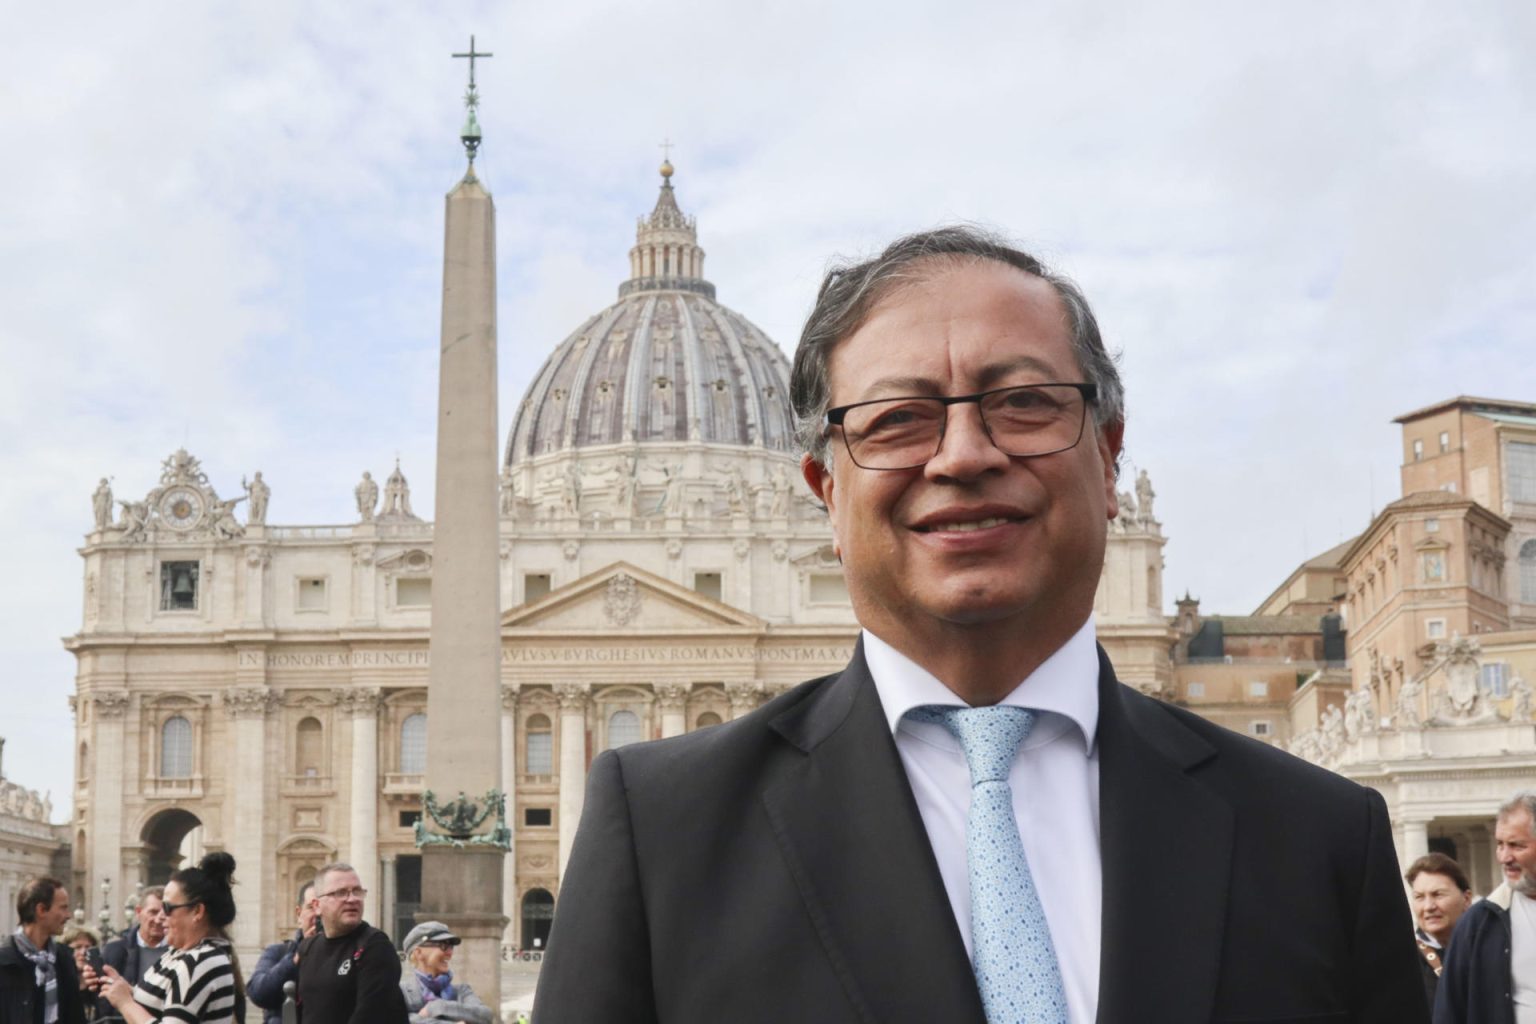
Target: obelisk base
x=461, y=887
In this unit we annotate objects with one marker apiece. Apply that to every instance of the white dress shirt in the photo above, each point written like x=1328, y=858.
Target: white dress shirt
x=1055, y=783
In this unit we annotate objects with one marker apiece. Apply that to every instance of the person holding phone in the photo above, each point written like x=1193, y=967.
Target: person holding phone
x=198, y=978
x=85, y=943
x=137, y=949
x=279, y=963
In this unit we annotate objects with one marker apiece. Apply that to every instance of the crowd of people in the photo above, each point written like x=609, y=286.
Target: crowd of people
x=177, y=964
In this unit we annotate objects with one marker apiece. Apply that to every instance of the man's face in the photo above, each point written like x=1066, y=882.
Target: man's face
x=151, y=917
x=340, y=914
x=1438, y=904
x=54, y=917
x=1515, y=847
x=910, y=545
x=308, y=908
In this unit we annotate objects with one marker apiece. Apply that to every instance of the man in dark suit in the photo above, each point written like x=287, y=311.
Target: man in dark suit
x=974, y=821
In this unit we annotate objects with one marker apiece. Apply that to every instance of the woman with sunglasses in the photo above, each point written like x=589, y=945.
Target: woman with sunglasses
x=430, y=992
x=198, y=979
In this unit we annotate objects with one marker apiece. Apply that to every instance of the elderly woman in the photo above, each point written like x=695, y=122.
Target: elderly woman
x=1441, y=894
x=81, y=938
x=198, y=978
x=430, y=991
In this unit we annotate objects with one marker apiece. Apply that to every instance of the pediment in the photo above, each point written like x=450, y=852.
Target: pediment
x=623, y=597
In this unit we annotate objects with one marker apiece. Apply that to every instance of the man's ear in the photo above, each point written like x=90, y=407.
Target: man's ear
x=1111, y=440
x=818, y=478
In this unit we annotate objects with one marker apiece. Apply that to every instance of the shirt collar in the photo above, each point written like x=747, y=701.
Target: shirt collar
x=1066, y=683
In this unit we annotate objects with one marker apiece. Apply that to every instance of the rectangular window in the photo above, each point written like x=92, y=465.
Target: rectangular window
x=1434, y=629
x=708, y=584
x=1418, y=450
x=311, y=595
x=535, y=585
x=1259, y=728
x=1431, y=525
x=1258, y=688
x=1521, y=460
x=828, y=588
x=413, y=592
x=538, y=817
x=408, y=819
x=178, y=586
x=1445, y=441
x=1494, y=676
x=541, y=753
x=1195, y=690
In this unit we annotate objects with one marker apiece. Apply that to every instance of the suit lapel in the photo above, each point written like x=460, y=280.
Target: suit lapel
x=850, y=831
x=1166, y=842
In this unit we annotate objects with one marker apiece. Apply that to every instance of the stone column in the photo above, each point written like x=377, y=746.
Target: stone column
x=388, y=898
x=248, y=707
x=1415, y=840
x=573, y=763
x=1478, y=860
x=744, y=697
x=509, y=787
x=361, y=704
x=672, y=701
x=108, y=709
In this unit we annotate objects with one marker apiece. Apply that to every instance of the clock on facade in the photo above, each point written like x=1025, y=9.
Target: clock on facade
x=181, y=508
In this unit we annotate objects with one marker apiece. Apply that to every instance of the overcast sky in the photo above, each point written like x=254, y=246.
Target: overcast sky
x=221, y=228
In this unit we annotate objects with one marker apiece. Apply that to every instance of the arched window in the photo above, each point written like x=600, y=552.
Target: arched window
x=413, y=745
x=85, y=760
x=623, y=727
x=706, y=719
x=540, y=758
x=308, y=747
x=1528, y=572
x=176, y=748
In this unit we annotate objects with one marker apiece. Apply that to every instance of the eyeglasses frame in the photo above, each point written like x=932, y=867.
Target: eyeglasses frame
x=834, y=418
x=345, y=894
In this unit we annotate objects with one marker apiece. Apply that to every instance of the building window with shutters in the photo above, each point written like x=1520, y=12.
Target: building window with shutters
x=176, y=748
x=623, y=728
x=413, y=745
x=539, y=747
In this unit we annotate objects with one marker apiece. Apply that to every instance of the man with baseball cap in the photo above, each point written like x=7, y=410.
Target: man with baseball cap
x=428, y=986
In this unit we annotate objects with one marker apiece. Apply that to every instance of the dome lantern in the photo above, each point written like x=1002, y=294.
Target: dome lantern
x=666, y=256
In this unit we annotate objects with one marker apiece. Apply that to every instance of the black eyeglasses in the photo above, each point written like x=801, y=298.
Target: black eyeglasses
x=1024, y=421
x=168, y=908
x=345, y=894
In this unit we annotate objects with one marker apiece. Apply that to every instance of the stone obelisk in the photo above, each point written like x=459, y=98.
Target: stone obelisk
x=463, y=830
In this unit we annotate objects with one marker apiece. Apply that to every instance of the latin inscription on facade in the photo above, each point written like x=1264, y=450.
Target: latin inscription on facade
x=421, y=658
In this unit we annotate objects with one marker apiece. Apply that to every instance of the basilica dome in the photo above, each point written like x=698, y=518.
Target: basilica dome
x=666, y=363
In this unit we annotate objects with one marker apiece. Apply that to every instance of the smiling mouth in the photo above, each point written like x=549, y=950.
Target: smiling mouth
x=968, y=526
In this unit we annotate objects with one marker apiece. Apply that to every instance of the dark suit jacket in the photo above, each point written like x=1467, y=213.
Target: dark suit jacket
x=776, y=868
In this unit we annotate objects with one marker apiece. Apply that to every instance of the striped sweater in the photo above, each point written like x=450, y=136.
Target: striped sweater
x=196, y=985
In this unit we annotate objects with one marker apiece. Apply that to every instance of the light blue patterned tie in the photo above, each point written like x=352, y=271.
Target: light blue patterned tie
x=1012, y=954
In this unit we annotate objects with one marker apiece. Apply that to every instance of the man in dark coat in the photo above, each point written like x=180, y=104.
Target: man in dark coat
x=279, y=963
x=132, y=953
x=1489, y=971
x=38, y=981
x=974, y=820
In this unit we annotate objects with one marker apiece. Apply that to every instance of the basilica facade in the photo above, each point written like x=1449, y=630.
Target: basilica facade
x=261, y=688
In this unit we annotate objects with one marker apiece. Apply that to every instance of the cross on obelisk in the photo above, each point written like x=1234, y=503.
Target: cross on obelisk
x=472, y=55
x=470, y=135
x=666, y=149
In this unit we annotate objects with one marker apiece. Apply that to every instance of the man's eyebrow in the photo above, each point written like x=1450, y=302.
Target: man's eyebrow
x=988, y=377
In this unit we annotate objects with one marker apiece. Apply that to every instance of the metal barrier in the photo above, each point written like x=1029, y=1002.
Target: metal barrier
x=290, y=1006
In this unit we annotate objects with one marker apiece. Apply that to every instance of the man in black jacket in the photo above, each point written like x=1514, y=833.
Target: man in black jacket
x=38, y=983
x=349, y=972
x=1490, y=970
x=279, y=963
x=132, y=953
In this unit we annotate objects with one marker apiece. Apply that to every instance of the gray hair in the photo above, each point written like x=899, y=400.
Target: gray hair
x=1523, y=800
x=334, y=868
x=850, y=291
